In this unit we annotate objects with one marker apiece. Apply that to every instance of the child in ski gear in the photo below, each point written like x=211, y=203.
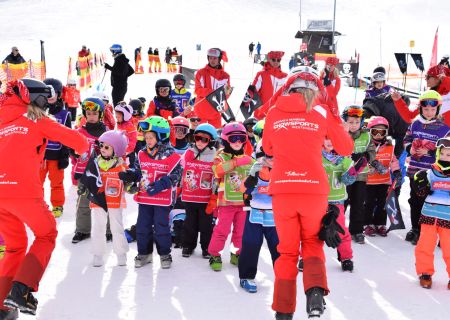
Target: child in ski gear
x=230, y=168
x=379, y=178
x=420, y=143
x=110, y=162
x=162, y=104
x=138, y=115
x=363, y=153
x=93, y=110
x=197, y=186
x=259, y=223
x=124, y=113
x=181, y=95
x=56, y=157
x=299, y=196
x=71, y=97
x=208, y=79
x=24, y=132
x=108, y=112
x=378, y=85
x=180, y=126
x=158, y=171
x=331, y=81
x=434, y=184
x=249, y=124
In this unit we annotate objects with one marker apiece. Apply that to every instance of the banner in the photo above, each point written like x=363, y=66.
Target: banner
x=433, y=60
x=401, y=60
x=418, y=61
x=189, y=74
x=304, y=59
x=348, y=70
x=251, y=102
x=9, y=72
x=323, y=56
x=218, y=101
x=393, y=211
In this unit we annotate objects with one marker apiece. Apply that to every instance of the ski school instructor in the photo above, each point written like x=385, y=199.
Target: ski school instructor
x=294, y=131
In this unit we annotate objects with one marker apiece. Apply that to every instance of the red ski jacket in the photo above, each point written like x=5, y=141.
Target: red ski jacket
x=268, y=81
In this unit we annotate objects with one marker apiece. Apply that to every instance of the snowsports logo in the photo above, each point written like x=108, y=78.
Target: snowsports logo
x=295, y=123
x=13, y=129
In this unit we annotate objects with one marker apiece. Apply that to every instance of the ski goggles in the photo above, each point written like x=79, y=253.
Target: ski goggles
x=381, y=132
x=355, y=112
x=164, y=89
x=181, y=130
x=144, y=126
x=203, y=139
x=429, y=102
x=276, y=60
x=91, y=106
x=443, y=142
x=179, y=83
x=195, y=119
x=237, y=138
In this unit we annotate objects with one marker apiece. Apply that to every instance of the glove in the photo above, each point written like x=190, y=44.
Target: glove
x=330, y=227
x=247, y=198
x=357, y=156
x=326, y=79
x=212, y=204
x=242, y=161
x=128, y=176
x=63, y=163
x=397, y=178
x=379, y=167
x=82, y=190
x=107, y=66
x=250, y=182
x=358, y=167
x=420, y=183
x=132, y=188
x=159, y=185
x=257, y=166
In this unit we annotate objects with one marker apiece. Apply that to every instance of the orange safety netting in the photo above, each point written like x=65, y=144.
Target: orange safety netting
x=30, y=69
x=88, y=69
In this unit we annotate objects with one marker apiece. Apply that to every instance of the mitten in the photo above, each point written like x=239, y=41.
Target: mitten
x=159, y=185
x=330, y=228
x=129, y=176
x=212, y=204
x=242, y=161
x=420, y=184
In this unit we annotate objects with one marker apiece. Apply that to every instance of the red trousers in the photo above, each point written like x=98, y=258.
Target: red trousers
x=298, y=219
x=56, y=176
x=426, y=246
x=18, y=265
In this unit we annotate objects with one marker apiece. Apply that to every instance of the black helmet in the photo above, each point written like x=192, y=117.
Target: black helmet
x=162, y=83
x=179, y=77
x=250, y=122
x=56, y=84
x=137, y=106
x=39, y=92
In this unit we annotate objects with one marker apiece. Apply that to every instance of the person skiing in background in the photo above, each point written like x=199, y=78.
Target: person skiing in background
x=271, y=78
x=434, y=185
x=14, y=57
x=331, y=81
x=120, y=71
x=251, y=47
x=208, y=79
x=299, y=189
x=258, y=49
x=162, y=104
x=56, y=157
x=22, y=106
x=71, y=97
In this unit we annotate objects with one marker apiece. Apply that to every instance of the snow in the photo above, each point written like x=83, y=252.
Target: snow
x=384, y=284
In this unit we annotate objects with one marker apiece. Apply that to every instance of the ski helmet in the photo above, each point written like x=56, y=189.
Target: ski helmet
x=258, y=128
x=379, y=69
x=275, y=54
x=158, y=125
x=101, y=95
x=299, y=69
x=117, y=140
x=162, y=83
x=93, y=104
x=334, y=61
x=436, y=71
x=56, y=84
x=37, y=94
x=232, y=128
x=142, y=99
x=353, y=111
x=180, y=122
x=430, y=98
x=116, y=49
x=208, y=129
x=71, y=82
x=304, y=77
x=179, y=78
x=378, y=76
x=250, y=123
x=137, y=106
x=125, y=109
x=442, y=143
x=377, y=120
x=214, y=52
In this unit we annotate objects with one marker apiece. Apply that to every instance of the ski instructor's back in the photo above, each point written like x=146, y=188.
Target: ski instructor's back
x=120, y=71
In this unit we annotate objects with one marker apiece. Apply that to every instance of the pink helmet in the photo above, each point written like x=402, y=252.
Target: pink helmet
x=232, y=128
x=116, y=139
x=374, y=121
x=126, y=110
x=180, y=122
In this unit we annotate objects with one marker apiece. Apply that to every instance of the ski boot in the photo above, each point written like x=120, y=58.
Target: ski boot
x=234, y=259
x=347, y=265
x=284, y=316
x=57, y=211
x=20, y=297
x=215, y=262
x=142, y=259
x=2, y=251
x=370, y=231
x=79, y=236
x=205, y=254
x=166, y=261
x=412, y=234
x=11, y=314
x=109, y=237
x=425, y=281
x=315, y=302
x=381, y=231
x=248, y=285
x=97, y=261
x=300, y=265
x=186, y=252
x=358, y=238
x=122, y=260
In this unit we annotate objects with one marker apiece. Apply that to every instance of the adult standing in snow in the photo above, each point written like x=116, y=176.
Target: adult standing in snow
x=14, y=57
x=271, y=78
x=299, y=189
x=331, y=81
x=24, y=132
x=258, y=49
x=120, y=71
x=208, y=79
x=251, y=47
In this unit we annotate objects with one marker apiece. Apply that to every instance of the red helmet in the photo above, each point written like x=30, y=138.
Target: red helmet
x=436, y=71
x=374, y=121
x=332, y=61
x=180, y=122
x=275, y=54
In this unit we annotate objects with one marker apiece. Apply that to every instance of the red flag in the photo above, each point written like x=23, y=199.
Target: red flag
x=433, y=61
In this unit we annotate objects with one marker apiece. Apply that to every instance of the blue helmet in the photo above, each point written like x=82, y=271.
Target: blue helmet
x=208, y=129
x=93, y=104
x=116, y=48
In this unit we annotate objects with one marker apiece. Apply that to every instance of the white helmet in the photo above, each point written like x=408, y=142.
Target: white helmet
x=72, y=82
x=101, y=95
x=126, y=110
x=378, y=76
x=307, y=69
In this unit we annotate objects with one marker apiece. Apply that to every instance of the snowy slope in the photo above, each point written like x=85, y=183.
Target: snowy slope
x=383, y=285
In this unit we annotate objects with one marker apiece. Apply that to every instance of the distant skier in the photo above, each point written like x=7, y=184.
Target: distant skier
x=251, y=47
x=258, y=49
x=120, y=72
